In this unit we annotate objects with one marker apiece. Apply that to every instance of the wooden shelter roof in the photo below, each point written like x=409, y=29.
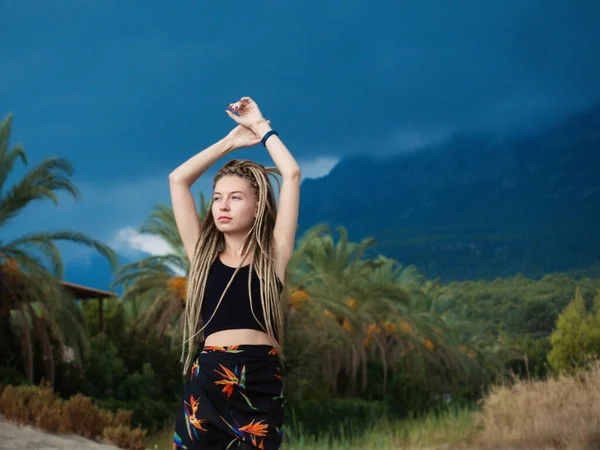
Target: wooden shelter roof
x=84, y=292
x=78, y=291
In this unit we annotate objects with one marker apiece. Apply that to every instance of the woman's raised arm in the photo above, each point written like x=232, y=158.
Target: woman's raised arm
x=180, y=182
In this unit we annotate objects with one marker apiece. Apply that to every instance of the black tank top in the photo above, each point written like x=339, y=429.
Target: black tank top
x=234, y=311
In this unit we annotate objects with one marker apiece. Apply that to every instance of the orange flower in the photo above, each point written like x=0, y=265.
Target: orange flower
x=11, y=268
x=390, y=328
x=178, y=285
x=371, y=330
x=405, y=327
x=352, y=303
x=347, y=325
x=298, y=297
x=429, y=344
x=328, y=313
x=11, y=265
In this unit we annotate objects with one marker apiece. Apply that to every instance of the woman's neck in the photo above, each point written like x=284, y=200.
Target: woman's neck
x=234, y=248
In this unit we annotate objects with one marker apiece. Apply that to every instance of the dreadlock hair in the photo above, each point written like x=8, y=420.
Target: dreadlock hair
x=258, y=241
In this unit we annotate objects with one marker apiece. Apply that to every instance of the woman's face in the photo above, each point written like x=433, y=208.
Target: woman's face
x=234, y=205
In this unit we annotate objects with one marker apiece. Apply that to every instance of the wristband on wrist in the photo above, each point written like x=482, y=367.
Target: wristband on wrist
x=267, y=136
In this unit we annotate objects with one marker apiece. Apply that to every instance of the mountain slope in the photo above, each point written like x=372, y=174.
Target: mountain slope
x=474, y=206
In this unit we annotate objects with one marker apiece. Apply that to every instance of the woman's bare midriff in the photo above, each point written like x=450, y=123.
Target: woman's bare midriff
x=238, y=337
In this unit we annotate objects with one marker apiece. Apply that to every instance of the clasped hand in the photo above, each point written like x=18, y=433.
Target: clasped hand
x=248, y=119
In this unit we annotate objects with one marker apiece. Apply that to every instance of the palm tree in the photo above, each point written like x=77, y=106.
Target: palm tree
x=32, y=300
x=349, y=298
x=471, y=337
x=347, y=309
x=156, y=286
x=445, y=344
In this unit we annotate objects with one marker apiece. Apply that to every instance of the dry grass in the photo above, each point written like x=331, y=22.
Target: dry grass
x=561, y=413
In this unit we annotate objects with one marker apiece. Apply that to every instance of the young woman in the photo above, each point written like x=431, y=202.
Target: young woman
x=233, y=395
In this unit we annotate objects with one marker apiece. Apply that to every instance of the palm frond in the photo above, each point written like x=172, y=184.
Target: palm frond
x=204, y=206
x=161, y=223
x=41, y=239
x=30, y=264
x=48, y=249
x=43, y=181
x=151, y=266
x=8, y=157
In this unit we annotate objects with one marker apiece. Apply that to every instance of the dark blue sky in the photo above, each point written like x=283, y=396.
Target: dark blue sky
x=126, y=91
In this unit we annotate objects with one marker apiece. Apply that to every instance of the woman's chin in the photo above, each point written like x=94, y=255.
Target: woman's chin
x=226, y=227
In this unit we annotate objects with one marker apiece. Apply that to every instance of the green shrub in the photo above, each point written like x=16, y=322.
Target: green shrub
x=533, y=359
x=139, y=385
x=576, y=340
x=104, y=369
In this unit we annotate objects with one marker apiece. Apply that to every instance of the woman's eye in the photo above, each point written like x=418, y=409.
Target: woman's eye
x=236, y=197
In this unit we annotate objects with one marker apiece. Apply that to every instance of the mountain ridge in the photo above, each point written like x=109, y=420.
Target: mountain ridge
x=475, y=205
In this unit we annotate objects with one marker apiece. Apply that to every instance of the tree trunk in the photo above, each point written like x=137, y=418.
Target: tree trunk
x=26, y=345
x=5, y=336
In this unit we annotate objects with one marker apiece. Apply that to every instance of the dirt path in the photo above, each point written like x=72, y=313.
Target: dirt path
x=17, y=437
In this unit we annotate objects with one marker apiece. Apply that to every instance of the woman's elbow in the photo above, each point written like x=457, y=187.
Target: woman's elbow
x=176, y=178
x=293, y=174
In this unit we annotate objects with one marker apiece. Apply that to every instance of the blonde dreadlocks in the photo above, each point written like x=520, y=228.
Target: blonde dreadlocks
x=259, y=242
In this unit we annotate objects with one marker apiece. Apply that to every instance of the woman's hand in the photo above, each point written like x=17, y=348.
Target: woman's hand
x=242, y=137
x=249, y=114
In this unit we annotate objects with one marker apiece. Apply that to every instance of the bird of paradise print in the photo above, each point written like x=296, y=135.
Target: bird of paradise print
x=230, y=379
x=178, y=443
x=260, y=445
x=233, y=379
x=191, y=419
x=236, y=430
x=280, y=396
x=195, y=369
x=255, y=429
x=222, y=348
x=259, y=428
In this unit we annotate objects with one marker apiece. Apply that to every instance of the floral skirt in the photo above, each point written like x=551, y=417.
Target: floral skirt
x=233, y=399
